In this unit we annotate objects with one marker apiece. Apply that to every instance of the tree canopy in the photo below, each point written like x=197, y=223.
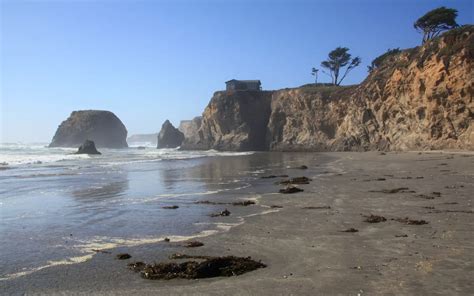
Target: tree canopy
x=337, y=60
x=436, y=21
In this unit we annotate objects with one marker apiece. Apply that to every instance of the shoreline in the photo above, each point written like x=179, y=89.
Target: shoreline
x=304, y=248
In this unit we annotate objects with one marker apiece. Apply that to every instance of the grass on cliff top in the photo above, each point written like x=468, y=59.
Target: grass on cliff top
x=325, y=89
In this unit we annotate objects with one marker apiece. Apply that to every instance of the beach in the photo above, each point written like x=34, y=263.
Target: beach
x=302, y=238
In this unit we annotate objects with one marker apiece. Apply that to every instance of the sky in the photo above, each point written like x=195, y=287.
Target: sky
x=148, y=61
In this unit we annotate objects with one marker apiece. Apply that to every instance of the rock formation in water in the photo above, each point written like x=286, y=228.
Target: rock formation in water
x=416, y=99
x=169, y=136
x=102, y=127
x=88, y=147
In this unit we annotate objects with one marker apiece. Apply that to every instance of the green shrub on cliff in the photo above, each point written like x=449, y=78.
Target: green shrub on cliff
x=380, y=59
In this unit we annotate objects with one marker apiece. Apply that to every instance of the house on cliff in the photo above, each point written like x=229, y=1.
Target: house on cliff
x=234, y=84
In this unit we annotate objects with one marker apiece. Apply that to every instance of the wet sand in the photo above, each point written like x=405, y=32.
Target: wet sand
x=303, y=244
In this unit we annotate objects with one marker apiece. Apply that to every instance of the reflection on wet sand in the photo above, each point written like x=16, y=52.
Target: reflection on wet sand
x=116, y=186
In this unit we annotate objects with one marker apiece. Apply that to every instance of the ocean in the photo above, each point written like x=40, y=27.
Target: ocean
x=59, y=208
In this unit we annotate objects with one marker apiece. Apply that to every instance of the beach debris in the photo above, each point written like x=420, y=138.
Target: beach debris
x=390, y=191
x=243, y=203
x=222, y=213
x=301, y=167
x=297, y=180
x=317, y=208
x=170, y=207
x=193, y=244
x=377, y=179
x=237, y=203
x=274, y=176
x=409, y=221
x=136, y=266
x=350, y=230
x=166, y=239
x=374, y=219
x=210, y=267
x=425, y=196
x=208, y=202
x=123, y=256
x=290, y=189
x=185, y=256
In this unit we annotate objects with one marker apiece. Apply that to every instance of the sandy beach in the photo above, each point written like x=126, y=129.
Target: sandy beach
x=301, y=238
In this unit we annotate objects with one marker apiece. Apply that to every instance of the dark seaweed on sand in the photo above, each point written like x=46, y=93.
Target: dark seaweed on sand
x=210, y=267
x=375, y=219
x=409, y=221
x=290, y=189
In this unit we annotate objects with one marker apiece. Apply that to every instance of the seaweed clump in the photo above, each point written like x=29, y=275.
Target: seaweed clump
x=210, y=267
x=297, y=180
x=375, y=219
x=409, y=221
x=290, y=189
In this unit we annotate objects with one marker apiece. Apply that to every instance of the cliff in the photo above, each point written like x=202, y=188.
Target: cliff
x=190, y=128
x=416, y=99
x=102, y=127
x=233, y=121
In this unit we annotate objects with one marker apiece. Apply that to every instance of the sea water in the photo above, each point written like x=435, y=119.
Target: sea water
x=57, y=207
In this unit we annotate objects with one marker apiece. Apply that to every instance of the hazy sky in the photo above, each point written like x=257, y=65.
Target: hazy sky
x=148, y=61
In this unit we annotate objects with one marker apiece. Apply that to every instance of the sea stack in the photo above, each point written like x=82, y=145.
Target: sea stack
x=102, y=127
x=87, y=148
x=169, y=136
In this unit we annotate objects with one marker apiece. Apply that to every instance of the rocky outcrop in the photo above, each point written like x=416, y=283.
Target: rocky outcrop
x=234, y=121
x=87, y=148
x=102, y=127
x=169, y=136
x=190, y=128
x=416, y=99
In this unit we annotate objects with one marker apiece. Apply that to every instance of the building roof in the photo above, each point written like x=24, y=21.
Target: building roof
x=246, y=81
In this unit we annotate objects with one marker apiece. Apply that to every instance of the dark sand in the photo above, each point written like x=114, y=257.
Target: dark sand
x=303, y=242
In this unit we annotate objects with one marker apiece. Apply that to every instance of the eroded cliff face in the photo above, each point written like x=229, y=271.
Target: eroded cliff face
x=418, y=99
x=190, y=129
x=234, y=121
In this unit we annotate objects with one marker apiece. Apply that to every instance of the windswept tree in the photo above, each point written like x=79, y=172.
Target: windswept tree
x=436, y=21
x=337, y=60
x=314, y=72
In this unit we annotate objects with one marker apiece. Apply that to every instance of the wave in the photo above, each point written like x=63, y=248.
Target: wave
x=19, y=154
